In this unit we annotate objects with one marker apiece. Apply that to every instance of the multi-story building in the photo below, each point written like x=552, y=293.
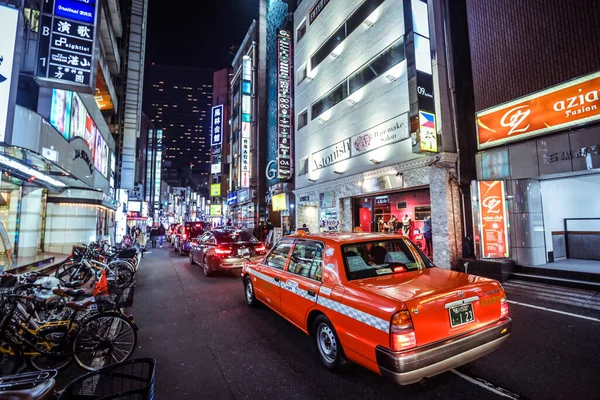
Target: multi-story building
x=374, y=145
x=533, y=128
x=61, y=113
x=178, y=101
x=248, y=116
x=220, y=145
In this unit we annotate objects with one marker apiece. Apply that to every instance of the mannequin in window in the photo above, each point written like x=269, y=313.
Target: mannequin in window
x=406, y=225
x=380, y=224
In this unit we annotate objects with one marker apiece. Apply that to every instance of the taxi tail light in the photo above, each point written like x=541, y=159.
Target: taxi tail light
x=261, y=248
x=402, y=331
x=503, y=307
x=220, y=251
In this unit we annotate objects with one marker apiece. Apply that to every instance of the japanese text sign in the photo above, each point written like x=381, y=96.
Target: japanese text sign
x=493, y=219
x=284, y=104
x=217, y=126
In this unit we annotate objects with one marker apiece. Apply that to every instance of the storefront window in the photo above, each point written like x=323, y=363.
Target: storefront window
x=10, y=194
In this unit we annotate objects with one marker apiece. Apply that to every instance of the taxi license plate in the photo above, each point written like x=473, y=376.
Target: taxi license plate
x=243, y=252
x=461, y=315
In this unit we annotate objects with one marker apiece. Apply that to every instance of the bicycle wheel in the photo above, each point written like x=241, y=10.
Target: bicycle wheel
x=104, y=339
x=10, y=356
x=55, y=352
x=120, y=273
x=73, y=271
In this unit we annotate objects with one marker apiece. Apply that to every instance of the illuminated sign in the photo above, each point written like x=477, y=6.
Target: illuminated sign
x=215, y=190
x=493, y=219
x=60, y=112
x=279, y=202
x=216, y=137
x=284, y=105
x=34, y=173
x=67, y=50
x=232, y=199
x=216, y=210
x=215, y=168
x=427, y=132
x=8, y=21
x=134, y=206
x=245, y=142
x=563, y=106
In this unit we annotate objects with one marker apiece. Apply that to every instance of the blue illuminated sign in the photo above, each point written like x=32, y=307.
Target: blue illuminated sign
x=216, y=136
x=78, y=10
x=232, y=199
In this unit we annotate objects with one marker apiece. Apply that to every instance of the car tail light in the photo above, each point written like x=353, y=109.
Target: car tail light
x=399, y=269
x=222, y=252
x=261, y=248
x=184, y=236
x=503, y=307
x=402, y=331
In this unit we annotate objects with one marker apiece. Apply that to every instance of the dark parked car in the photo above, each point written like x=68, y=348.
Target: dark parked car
x=220, y=250
x=186, y=233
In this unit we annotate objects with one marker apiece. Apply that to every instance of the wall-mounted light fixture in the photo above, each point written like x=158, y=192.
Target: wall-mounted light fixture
x=338, y=172
x=322, y=120
x=375, y=161
x=352, y=101
x=312, y=180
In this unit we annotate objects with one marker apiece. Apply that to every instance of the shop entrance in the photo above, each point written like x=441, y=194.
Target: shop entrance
x=407, y=213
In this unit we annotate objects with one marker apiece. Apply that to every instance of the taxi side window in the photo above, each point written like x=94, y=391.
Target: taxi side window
x=307, y=260
x=279, y=255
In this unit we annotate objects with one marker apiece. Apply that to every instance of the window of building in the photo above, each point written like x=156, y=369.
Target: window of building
x=301, y=31
x=367, y=73
x=303, y=166
x=356, y=18
x=301, y=74
x=302, y=119
x=307, y=260
x=279, y=255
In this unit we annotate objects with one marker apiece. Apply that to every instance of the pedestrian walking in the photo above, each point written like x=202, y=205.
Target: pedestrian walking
x=161, y=234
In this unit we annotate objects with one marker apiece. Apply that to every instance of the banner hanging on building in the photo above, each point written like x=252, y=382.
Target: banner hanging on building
x=9, y=18
x=493, y=220
x=68, y=45
x=284, y=104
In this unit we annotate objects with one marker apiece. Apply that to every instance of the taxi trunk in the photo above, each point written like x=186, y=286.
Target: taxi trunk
x=442, y=303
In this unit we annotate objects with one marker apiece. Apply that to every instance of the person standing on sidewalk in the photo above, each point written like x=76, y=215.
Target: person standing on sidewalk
x=427, y=235
x=161, y=233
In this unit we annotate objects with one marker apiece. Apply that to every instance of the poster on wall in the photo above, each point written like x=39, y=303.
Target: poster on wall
x=60, y=112
x=78, y=117
x=8, y=22
x=90, y=131
x=493, y=220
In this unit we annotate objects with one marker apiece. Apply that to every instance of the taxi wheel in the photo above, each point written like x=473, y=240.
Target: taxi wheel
x=328, y=346
x=249, y=291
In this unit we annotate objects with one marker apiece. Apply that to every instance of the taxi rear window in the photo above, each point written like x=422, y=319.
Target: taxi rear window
x=377, y=258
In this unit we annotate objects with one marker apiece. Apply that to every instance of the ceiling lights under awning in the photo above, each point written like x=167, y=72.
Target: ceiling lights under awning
x=22, y=171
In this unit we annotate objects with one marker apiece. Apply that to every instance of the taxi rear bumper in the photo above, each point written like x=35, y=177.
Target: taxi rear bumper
x=412, y=366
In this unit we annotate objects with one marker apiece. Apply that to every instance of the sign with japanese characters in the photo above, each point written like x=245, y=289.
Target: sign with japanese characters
x=284, y=104
x=216, y=137
x=67, y=51
x=493, y=219
x=8, y=21
x=245, y=142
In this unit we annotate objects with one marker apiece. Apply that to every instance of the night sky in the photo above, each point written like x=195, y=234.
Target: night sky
x=199, y=36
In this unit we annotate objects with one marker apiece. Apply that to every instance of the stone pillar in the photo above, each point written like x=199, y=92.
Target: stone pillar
x=527, y=241
x=346, y=214
x=30, y=226
x=446, y=218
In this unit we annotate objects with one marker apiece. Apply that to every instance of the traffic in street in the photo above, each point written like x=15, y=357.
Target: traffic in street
x=210, y=344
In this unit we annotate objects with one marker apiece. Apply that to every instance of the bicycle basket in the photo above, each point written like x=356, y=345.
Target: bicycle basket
x=129, y=380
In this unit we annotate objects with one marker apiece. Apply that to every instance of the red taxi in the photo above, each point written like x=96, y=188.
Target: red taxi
x=377, y=300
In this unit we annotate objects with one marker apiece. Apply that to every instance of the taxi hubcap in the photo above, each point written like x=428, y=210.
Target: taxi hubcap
x=249, y=291
x=327, y=343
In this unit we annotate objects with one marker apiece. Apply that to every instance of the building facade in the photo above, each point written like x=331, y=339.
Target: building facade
x=178, y=101
x=373, y=146
x=61, y=113
x=537, y=126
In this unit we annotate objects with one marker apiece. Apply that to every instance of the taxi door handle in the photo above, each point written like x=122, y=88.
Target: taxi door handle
x=312, y=293
x=276, y=279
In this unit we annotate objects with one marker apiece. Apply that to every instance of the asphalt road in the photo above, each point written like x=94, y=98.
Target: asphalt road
x=210, y=345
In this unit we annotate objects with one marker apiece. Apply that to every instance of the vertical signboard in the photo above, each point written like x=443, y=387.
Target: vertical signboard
x=246, y=123
x=216, y=137
x=284, y=104
x=68, y=48
x=8, y=22
x=493, y=220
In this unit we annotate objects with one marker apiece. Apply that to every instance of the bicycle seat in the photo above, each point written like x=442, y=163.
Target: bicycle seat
x=43, y=391
x=69, y=292
x=79, y=305
x=73, y=285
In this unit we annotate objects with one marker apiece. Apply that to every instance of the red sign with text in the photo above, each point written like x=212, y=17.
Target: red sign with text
x=493, y=219
x=569, y=104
